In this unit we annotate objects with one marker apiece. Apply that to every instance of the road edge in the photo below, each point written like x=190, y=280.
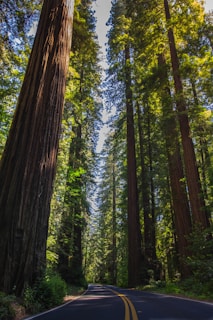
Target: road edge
x=55, y=308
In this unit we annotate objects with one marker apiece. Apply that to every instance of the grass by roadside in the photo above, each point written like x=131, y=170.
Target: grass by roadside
x=188, y=289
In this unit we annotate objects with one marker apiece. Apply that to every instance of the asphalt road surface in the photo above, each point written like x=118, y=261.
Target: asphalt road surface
x=112, y=303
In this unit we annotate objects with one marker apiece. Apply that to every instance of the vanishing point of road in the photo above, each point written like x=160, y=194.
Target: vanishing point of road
x=112, y=303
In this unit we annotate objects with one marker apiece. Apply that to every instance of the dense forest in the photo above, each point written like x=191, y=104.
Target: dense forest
x=138, y=212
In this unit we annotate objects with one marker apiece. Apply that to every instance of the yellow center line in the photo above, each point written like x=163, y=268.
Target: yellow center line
x=127, y=314
x=128, y=306
x=134, y=313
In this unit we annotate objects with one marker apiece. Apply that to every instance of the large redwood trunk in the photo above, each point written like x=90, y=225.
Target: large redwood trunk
x=27, y=168
x=193, y=180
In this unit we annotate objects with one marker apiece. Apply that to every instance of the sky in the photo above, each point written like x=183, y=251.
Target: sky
x=102, y=9
x=208, y=5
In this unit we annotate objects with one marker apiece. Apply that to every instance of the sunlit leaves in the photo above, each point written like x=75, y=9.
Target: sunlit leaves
x=14, y=53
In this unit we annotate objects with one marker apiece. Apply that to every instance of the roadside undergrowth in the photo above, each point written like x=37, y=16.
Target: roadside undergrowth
x=46, y=294
x=188, y=288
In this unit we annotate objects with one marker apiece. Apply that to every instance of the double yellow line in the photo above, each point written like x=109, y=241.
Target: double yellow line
x=130, y=312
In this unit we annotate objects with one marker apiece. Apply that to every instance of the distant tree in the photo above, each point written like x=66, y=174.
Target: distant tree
x=27, y=167
x=108, y=258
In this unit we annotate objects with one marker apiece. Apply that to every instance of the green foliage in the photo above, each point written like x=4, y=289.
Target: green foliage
x=200, y=284
x=76, y=290
x=188, y=288
x=51, y=255
x=195, y=288
x=51, y=291
x=48, y=292
x=30, y=302
x=16, y=19
x=201, y=259
x=6, y=310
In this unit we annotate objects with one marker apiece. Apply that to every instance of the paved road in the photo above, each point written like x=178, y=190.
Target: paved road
x=112, y=303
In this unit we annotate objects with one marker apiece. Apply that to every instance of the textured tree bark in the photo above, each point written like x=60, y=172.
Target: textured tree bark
x=27, y=168
x=192, y=175
x=182, y=217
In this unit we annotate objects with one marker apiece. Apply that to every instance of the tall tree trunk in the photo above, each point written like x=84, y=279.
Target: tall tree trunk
x=182, y=218
x=205, y=159
x=145, y=190
x=27, y=168
x=147, y=199
x=76, y=268
x=193, y=180
x=114, y=228
x=152, y=189
x=134, y=230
